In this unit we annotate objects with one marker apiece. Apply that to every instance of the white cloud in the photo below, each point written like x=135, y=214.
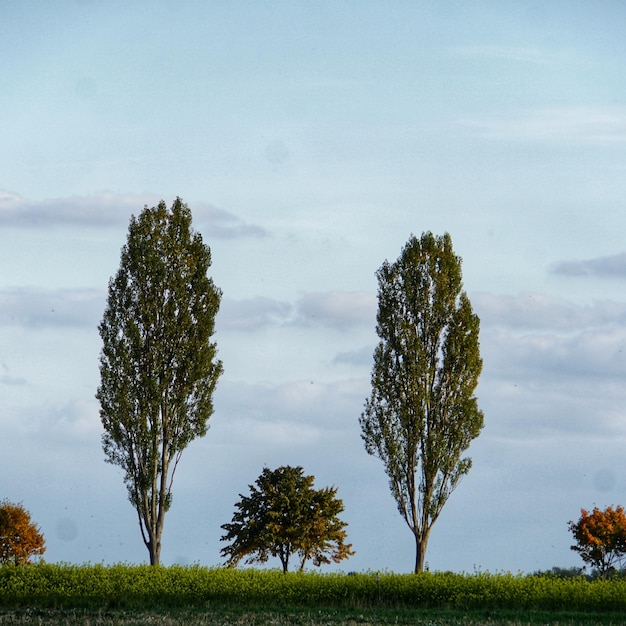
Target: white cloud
x=540, y=311
x=34, y=307
x=221, y=224
x=96, y=211
x=611, y=266
x=552, y=369
x=276, y=434
x=518, y=54
x=73, y=422
x=340, y=310
x=110, y=210
x=579, y=124
x=252, y=314
x=296, y=400
x=363, y=357
x=9, y=380
x=337, y=309
x=589, y=355
x=551, y=337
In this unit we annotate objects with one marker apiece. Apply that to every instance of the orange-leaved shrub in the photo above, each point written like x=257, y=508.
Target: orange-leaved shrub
x=20, y=538
x=600, y=537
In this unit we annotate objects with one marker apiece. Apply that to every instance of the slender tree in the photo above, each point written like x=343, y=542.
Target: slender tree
x=20, y=538
x=158, y=365
x=422, y=413
x=284, y=515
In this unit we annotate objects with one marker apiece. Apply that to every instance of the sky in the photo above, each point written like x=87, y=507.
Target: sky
x=311, y=140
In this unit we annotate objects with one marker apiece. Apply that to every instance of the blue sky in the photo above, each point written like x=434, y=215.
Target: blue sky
x=310, y=139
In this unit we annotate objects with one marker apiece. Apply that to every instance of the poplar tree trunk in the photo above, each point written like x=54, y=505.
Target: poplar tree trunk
x=155, y=552
x=421, y=543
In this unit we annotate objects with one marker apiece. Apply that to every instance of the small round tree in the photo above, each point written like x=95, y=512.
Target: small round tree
x=600, y=537
x=20, y=539
x=284, y=515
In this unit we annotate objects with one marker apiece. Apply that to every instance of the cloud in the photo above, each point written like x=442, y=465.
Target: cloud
x=337, y=309
x=523, y=403
x=213, y=222
x=539, y=311
x=12, y=381
x=36, y=307
x=612, y=266
x=33, y=307
x=109, y=210
x=303, y=405
x=516, y=54
x=590, y=356
x=581, y=124
x=75, y=421
x=102, y=210
x=363, y=357
x=553, y=370
x=252, y=314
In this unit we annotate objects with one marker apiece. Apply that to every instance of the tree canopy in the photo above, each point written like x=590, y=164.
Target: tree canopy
x=422, y=413
x=600, y=537
x=20, y=538
x=284, y=516
x=158, y=365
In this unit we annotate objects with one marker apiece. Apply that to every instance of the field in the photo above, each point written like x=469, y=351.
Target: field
x=127, y=594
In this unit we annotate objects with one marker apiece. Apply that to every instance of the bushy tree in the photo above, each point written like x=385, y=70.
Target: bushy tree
x=284, y=515
x=600, y=537
x=20, y=538
x=422, y=413
x=158, y=365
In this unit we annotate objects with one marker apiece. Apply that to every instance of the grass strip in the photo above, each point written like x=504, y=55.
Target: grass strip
x=299, y=616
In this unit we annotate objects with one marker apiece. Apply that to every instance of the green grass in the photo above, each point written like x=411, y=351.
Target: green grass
x=128, y=594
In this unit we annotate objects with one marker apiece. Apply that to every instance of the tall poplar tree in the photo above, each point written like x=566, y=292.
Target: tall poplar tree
x=158, y=365
x=422, y=413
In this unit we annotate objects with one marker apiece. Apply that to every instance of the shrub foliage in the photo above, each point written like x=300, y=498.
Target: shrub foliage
x=142, y=587
x=600, y=538
x=20, y=538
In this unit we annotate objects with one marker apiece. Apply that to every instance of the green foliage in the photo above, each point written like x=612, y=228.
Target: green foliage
x=422, y=413
x=285, y=515
x=563, y=572
x=144, y=587
x=158, y=366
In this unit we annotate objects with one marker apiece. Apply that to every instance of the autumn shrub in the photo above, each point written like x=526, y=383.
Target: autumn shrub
x=20, y=538
x=601, y=538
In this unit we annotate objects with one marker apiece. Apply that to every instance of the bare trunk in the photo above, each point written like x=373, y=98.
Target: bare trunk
x=159, y=503
x=150, y=524
x=421, y=543
x=152, y=540
x=284, y=559
x=155, y=552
